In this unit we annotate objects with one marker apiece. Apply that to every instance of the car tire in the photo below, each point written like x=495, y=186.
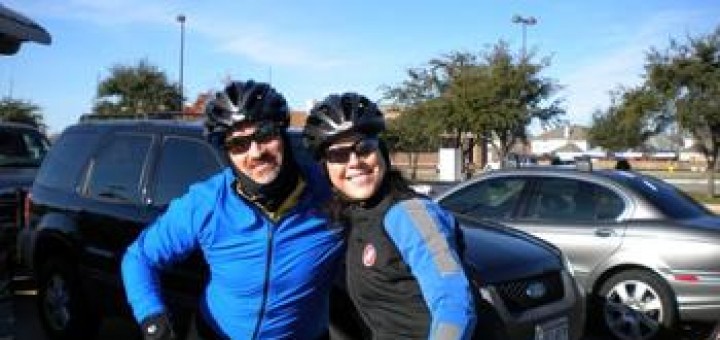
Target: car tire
x=63, y=313
x=637, y=305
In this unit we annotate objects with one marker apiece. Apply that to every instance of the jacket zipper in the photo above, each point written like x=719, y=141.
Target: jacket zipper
x=266, y=282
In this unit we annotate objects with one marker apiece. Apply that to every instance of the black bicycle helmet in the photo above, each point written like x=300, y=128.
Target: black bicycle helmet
x=248, y=101
x=339, y=115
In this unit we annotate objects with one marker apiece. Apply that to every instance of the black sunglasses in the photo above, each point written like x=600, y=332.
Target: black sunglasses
x=361, y=148
x=263, y=134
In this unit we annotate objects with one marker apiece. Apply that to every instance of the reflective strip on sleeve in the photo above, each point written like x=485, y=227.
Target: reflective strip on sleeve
x=431, y=235
x=446, y=331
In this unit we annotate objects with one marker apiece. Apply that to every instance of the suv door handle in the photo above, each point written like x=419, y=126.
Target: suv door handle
x=604, y=232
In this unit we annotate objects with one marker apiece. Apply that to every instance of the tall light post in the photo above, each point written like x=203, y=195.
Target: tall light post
x=524, y=21
x=181, y=20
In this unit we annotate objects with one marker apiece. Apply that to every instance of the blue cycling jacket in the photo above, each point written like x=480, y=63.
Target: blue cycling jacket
x=267, y=280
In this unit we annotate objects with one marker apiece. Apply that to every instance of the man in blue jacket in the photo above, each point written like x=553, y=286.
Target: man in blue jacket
x=270, y=251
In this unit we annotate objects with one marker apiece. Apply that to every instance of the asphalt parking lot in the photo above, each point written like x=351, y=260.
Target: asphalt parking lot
x=18, y=321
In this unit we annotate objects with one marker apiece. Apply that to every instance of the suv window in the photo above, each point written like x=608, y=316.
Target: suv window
x=494, y=198
x=183, y=161
x=66, y=159
x=116, y=171
x=21, y=147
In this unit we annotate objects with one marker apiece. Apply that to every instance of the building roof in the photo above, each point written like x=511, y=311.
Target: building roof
x=567, y=132
x=569, y=147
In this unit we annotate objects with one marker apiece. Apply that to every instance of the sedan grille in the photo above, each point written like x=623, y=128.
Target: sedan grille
x=533, y=292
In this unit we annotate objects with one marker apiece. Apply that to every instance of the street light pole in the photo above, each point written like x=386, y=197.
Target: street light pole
x=524, y=21
x=181, y=20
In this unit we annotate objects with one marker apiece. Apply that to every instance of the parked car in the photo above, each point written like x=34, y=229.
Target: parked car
x=100, y=185
x=22, y=148
x=648, y=254
x=104, y=181
x=526, y=286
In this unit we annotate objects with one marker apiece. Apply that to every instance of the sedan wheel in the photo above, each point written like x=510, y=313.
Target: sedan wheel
x=638, y=305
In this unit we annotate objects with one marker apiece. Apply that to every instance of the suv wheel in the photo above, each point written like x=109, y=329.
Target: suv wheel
x=62, y=311
x=638, y=305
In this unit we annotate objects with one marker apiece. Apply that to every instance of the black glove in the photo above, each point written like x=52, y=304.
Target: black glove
x=157, y=327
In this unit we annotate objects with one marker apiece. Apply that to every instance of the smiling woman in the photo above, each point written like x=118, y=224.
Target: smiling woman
x=16, y=28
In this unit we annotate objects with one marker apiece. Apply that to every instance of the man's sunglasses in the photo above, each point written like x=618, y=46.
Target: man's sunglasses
x=265, y=133
x=361, y=148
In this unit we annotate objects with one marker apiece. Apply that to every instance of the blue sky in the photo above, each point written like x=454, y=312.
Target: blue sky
x=308, y=49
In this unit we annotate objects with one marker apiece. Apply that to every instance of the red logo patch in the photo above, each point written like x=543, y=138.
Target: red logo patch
x=369, y=255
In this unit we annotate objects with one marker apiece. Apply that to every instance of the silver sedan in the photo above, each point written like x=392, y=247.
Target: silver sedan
x=648, y=255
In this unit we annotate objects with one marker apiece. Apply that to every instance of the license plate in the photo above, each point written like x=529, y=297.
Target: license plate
x=556, y=329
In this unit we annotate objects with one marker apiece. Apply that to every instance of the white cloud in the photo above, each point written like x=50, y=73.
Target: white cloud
x=256, y=41
x=587, y=86
x=260, y=45
x=107, y=13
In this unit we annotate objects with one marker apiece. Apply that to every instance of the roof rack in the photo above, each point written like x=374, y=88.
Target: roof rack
x=584, y=163
x=170, y=115
x=513, y=160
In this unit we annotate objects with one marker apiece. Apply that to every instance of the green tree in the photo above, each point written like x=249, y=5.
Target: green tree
x=493, y=95
x=137, y=89
x=453, y=78
x=410, y=133
x=683, y=89
x=423, y=98
x=21, y=111
x=624, y=125
x=420, y=122
x=502, y=95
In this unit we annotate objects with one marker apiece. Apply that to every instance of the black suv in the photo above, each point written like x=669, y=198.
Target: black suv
x=104, y=181
x=22, y=148
x=101, y=184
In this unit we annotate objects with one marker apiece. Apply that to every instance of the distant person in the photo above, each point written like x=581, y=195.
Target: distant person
x=271, y=254
x=403, y=268
x=623, y=164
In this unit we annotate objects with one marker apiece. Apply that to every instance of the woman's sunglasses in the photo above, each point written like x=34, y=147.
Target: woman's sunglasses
x=361, y=148
x=265, y=133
